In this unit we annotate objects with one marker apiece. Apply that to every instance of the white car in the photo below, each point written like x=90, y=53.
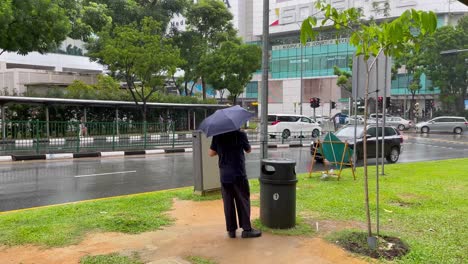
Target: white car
x=320, y=119
x=292, y=125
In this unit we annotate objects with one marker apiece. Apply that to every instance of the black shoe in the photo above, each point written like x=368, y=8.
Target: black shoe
x=232, y=234
x=251, y=233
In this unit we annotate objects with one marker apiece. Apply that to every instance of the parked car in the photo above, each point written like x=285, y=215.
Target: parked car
x=399, y=122
x=380, y=115
x=392, y=145
x=351, y=119
x=453, y=124
x=287, y=125
x=319, y=119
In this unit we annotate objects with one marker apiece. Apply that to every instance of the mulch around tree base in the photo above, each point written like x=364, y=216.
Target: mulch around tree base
x=388, y=247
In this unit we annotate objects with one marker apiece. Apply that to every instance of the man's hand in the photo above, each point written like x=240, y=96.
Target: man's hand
x=212, y=153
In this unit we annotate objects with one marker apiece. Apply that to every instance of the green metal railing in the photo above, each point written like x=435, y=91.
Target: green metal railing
x=41, y=137
x=36, y=137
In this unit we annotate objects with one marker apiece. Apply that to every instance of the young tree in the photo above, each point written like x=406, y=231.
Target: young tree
x=370, y=40
x=35, y=25
x=138, y=55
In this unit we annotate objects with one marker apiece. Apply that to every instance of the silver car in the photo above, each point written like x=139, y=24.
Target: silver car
x=399, y=122
x=453, y=124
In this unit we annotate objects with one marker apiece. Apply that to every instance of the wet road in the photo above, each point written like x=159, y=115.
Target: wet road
x=36, y=183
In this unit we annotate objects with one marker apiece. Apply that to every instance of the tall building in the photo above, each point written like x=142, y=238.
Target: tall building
x=307, y=70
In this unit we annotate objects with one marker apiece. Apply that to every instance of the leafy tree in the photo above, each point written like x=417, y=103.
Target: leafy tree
x=211, y=21
x=411, y=60
x=86, y=17
x=448, y=71
x=372, y=39
x=232, y=67
x=124, y=12
x=192, y=48
x=344, y=79
x=34, y=25
x=140, y=57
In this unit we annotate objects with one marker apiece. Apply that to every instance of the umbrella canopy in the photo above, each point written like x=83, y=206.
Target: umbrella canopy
x=225, y=120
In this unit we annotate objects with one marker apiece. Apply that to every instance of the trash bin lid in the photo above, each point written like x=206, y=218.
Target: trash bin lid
x=278, y=169
x=279, y=160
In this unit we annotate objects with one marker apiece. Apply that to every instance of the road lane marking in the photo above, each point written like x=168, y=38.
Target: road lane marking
x=107, y=173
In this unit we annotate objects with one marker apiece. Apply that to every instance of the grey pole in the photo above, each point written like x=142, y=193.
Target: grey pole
x=355, y=94
x=384, y=107
x=117, y=121
x=377, y=143
x=194, y=120
x=47, y=121
x=3, y=123
x=85, y=114
x=264, y=99
x=300, y=107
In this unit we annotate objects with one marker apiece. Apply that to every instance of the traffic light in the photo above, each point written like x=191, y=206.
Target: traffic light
x=380, y=101
x=429, y=104
x=313, y=102
x=333, y=105
x=388, y=102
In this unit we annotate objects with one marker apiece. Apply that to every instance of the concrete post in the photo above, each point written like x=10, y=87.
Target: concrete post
x=117, y=121
x=3, y=123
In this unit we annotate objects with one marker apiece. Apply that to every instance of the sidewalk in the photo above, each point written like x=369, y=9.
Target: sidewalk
x=198, y=231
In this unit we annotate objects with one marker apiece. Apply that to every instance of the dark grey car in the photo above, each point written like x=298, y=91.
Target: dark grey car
x=392, y=145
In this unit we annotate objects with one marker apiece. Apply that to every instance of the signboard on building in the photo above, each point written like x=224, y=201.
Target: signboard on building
x=311, y=44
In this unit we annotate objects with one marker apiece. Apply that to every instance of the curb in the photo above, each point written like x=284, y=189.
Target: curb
x=58, y=156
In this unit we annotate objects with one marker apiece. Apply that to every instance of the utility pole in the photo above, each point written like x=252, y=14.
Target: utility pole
x=264, y=93
x=300, y=107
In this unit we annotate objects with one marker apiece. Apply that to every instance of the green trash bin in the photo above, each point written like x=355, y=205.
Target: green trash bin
x=278, y=193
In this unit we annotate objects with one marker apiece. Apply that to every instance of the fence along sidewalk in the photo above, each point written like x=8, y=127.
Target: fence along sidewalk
x=37, y=137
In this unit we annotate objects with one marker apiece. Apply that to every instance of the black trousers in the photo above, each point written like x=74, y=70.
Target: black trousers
x=236, y=196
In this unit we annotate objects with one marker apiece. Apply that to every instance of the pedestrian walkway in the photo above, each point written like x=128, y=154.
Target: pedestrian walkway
x=198, y=231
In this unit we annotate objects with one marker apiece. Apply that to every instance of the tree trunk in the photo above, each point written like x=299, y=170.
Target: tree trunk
x=144, y=109
x=234, y=100
x=185, y=88
x=203, y=87
x=191, y=89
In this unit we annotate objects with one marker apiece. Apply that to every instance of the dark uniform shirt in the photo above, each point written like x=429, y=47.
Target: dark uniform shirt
x=230, y=148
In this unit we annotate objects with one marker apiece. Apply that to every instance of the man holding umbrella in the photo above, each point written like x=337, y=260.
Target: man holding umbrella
x=229, y=143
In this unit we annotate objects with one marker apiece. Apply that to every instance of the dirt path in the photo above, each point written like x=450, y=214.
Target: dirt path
x=199, y=230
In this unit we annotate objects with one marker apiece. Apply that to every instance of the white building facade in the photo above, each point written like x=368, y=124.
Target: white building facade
x=37, y=72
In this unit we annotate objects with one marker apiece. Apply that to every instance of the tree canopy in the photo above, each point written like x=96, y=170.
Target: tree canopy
x=210, y=22
x=35, y=25
x=232, y=67
x=447, y=71
x=139, y=56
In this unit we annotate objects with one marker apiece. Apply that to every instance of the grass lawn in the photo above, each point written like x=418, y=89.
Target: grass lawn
x=422, y=203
